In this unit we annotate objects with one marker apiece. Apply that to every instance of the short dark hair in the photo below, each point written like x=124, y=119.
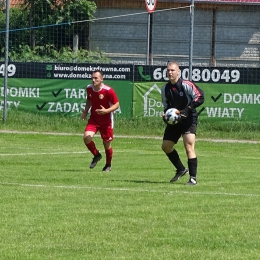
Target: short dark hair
x=99, y=71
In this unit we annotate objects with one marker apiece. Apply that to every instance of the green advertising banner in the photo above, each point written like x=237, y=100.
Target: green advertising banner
x=222, y=101
x=59, y=95
x=225, y=101
x=147, y=100
x=230, y=93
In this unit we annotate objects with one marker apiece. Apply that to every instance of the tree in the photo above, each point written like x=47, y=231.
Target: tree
x=43, y=30
x=17, y=19
x=45, y=17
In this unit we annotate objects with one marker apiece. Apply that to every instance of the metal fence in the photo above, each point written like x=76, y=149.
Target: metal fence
x=216, y=44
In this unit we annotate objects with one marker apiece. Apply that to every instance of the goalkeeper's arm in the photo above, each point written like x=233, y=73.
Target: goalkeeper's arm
x=185, y=112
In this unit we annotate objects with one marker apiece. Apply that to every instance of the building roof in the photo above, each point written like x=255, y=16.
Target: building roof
x=16, y=2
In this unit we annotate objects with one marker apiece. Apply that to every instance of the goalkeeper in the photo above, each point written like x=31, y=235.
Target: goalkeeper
x=185, y=96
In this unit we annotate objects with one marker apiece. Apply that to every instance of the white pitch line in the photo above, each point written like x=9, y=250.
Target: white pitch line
x=83, y=152
x=49, y=153
x=131, y=136
x=129, y=190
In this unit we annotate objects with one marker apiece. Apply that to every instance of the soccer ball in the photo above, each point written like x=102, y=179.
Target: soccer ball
x=172, y=116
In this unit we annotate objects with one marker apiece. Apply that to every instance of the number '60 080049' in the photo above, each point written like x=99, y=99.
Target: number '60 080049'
x=11, y=69
x=203, y=75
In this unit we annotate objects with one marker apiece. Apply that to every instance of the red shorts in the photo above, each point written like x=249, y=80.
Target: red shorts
x=106, y=131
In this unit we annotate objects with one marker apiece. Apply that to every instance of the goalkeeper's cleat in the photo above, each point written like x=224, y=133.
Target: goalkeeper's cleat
x=95, y=160
x=107, y=168
x=179, y=174
x=192, y=181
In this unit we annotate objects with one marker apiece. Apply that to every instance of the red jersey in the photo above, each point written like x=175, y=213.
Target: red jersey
x=105, y=97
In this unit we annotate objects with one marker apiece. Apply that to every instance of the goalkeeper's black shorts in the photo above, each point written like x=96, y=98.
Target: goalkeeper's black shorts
x=174, y=132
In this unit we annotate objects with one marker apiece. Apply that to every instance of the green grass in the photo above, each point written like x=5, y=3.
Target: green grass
x=54, y=207
x=22, y=121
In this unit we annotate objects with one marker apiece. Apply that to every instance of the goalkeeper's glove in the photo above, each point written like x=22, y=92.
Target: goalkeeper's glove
x=185, y=112
x=163, y=117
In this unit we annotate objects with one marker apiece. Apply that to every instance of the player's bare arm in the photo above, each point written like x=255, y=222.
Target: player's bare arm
x=103, y=111
x=85, y=111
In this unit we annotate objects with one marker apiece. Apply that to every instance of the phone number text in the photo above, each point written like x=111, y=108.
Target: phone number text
x=11, y=69
x=204, y=75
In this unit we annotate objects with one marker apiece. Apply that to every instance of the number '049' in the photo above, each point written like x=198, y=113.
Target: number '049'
x=11, y=69
x=215, y=75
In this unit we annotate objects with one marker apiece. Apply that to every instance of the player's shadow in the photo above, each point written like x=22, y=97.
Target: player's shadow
x=141, y=181
x=66, y=170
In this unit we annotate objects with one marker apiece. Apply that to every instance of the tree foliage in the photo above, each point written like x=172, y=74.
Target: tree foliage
x=45, y=30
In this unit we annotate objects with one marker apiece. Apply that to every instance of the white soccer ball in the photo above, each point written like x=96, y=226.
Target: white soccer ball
x=172, y=116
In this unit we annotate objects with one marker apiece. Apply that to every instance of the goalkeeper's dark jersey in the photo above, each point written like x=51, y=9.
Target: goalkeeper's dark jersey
x=182, y=94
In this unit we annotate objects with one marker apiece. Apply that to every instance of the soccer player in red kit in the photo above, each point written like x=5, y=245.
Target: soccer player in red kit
x=102, y=101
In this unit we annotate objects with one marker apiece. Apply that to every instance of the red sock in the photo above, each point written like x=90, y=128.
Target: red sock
x=109, y=155
x=92, y=148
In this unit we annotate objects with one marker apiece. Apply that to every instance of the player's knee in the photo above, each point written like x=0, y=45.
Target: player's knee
x=87, y=139
x=190, y=152
x=166, y=148
x=163, y=147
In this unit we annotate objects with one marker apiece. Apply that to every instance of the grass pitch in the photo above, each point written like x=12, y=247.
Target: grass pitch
x=54, y=207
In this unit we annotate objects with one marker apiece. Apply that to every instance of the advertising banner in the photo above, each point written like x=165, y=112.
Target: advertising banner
x=230, y=75
x=222, y=101
x=230, y=93
x=61, y=88
x=59, y=95
x=147, y=101
x=68, y=71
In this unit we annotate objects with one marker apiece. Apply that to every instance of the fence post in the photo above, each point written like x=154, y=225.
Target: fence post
x=191, y=38
x=75, y=46
x=7, y=8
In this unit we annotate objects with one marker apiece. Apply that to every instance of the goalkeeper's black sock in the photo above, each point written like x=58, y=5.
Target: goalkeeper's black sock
x=175, y=160
x=193, y=165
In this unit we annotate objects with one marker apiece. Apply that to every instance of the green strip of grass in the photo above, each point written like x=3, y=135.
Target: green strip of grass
x=23, y=121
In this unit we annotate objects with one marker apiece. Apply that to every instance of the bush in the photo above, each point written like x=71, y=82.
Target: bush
x=49, y=53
